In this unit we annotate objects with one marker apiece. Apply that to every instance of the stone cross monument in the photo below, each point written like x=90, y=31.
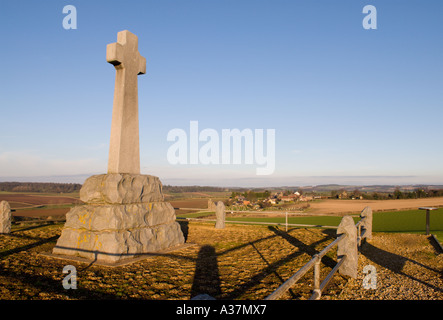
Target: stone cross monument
x=124, y=154
x=124, y=213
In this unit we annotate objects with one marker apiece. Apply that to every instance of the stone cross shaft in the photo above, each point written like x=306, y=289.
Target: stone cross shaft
x=124, y=149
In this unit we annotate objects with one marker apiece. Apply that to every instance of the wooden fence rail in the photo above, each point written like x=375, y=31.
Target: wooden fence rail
x=315, y=261
x=262, y=223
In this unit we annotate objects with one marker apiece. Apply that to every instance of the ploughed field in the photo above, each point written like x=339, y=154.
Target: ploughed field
x=40, y=205
x=57, y=205
x=341, y=207
x=38, y=199
x=22, y=201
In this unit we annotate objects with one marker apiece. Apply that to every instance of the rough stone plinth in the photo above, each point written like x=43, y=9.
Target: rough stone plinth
x=120, y=217
x=220, y=215
x=348, y=247
x=121, y=188
x=108, y=228
x=5, y=217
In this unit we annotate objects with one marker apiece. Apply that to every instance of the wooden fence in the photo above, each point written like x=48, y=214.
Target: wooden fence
x=349, y=240
x=286, y=223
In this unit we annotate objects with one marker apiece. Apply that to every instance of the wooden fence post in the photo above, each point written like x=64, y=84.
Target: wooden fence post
x=348, y=247
x=317, y=290
x=286, y=219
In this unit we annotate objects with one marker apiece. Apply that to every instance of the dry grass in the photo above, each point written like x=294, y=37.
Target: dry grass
x=239, y=262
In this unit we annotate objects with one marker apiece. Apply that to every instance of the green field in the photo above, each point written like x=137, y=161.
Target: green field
x=411, y=221
x=392, y=221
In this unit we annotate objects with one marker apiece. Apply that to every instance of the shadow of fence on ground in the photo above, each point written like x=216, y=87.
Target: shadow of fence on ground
x=272, y=267
x=49, y=285
x=6, y=253
x=396, y=263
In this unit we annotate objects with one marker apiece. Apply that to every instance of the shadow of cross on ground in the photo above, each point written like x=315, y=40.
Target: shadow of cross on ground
x=207, y=276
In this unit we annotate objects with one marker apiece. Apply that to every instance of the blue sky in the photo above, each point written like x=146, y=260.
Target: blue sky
x=348, y=105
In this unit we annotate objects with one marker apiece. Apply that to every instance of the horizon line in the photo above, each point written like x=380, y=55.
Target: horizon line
x=237, y=182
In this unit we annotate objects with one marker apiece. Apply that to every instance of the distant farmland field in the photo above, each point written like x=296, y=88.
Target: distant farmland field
x=390, y=221
x=38, y=199
x=40, y=205
x=337, y=206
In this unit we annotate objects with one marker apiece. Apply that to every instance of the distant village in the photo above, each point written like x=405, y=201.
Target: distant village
x=261, y=200
x=283, y=199
x=299, y=199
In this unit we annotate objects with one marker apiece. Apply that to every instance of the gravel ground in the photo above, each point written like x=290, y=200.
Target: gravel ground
x=408, y=267
x=239, y=262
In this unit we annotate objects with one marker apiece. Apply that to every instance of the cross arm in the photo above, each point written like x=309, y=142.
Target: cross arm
x=141, y=65
x=114, y=53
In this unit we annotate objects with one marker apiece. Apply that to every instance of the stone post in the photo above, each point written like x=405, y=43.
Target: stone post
x=348, y=247
x=5, y=217
x=220, y=215
x=211, y=205
x=366, y=216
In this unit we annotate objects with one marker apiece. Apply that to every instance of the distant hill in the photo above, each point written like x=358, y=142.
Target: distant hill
x=178, y=189
x=44, y=187
x=371, y=188
x=52, y=187
x=362, y=188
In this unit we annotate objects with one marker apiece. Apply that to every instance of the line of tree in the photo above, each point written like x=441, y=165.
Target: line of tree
x=251, y=195
x=46, y=187
x=179, y=189
x=397, y=194
x=417, y=193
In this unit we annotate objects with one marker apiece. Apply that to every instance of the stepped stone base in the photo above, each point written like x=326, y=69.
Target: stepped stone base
x=124, y=216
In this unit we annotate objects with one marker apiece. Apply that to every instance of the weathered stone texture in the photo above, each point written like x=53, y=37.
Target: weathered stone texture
x=124, y=147
x=121, y=188
x=5, y=217
x=220, y=215
x=211, y=205
x=118, y=217
x=366, y=216
x=116, y=245
x=348, y=247
x=124, y=216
